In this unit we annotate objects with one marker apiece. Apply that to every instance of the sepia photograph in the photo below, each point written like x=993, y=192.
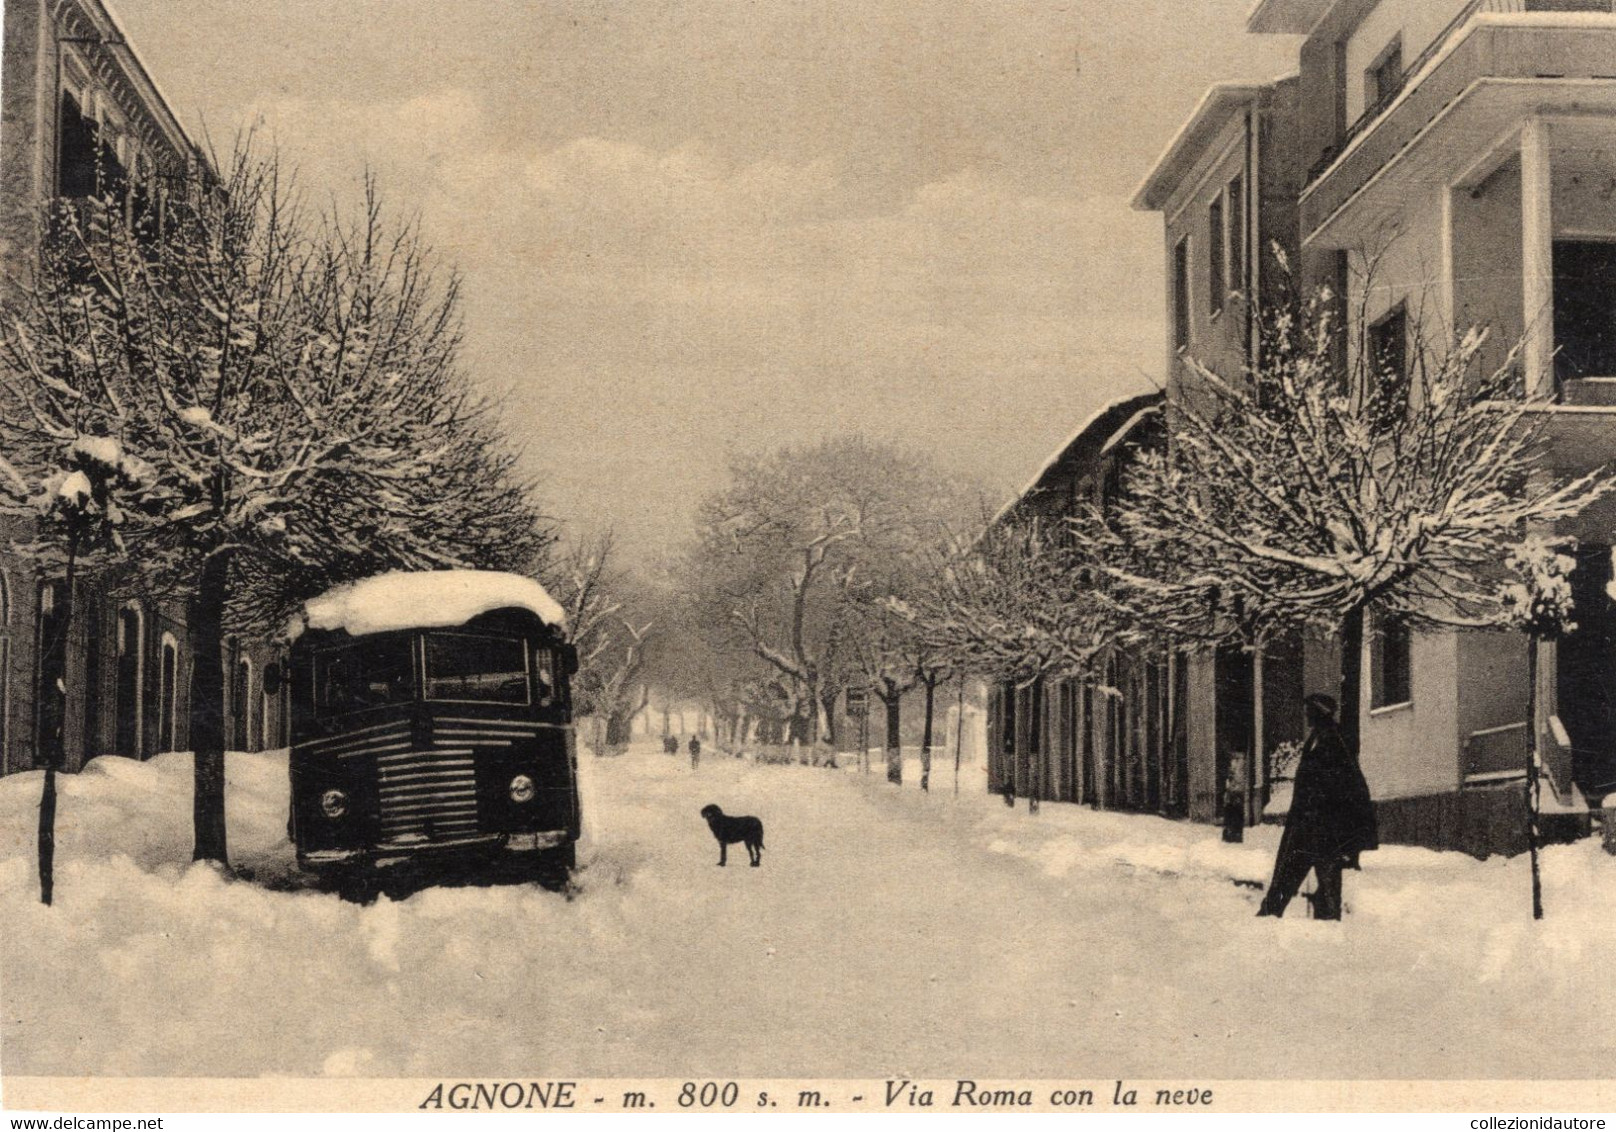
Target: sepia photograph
x=830, y=556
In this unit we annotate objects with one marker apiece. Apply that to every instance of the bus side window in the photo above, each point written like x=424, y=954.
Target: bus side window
x=338, y=676
x=544, y=685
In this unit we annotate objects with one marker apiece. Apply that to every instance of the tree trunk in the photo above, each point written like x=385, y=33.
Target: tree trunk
x=925, y=735
x=206, y=624
x=1533, y=783
x=864, y=740
x=47, y=836
x=959, y=731
x=619, y=727
x=891, y=700
x=55, y=661
x=797, y=729
x=827, y=701
x=1034, y=746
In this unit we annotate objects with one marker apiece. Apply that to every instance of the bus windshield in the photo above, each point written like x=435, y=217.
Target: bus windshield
x=364, y=675
x=472, y=667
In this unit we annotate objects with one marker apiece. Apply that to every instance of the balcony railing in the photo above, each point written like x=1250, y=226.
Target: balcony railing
x=1470, y=10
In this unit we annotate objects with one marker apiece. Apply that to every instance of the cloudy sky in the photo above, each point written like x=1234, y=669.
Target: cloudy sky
x=694, y=228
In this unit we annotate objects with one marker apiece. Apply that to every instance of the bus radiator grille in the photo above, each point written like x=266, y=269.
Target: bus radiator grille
x=427, y=794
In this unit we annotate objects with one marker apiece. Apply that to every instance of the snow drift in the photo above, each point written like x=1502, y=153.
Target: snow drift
x=888, y=933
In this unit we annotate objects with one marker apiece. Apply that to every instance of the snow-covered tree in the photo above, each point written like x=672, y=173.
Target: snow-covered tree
x=1018, y=605
x=609, y=629
x=293, y=386
x=778, y=550
x=884, y=646
x=77, y=508
x=1294, y=496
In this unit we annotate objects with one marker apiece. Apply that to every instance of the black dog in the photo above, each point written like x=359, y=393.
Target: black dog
x=729, y=830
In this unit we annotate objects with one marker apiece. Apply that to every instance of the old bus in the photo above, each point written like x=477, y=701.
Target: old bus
x=431, y=718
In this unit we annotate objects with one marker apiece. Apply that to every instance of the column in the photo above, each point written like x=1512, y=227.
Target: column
x=1537, y=258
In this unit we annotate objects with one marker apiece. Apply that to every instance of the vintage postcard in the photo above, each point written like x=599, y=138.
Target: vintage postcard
x=831, y=556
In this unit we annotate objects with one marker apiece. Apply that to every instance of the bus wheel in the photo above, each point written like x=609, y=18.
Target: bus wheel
x=552, y=868
x=357, y=886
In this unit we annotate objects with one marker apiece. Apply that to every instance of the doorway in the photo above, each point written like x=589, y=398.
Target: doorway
x=1586, y=674
x=1584, y=309
x=127, y=687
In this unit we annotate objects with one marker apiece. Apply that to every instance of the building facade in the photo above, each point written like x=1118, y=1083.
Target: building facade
x=1176, y=733
x=1460, y=156
x=1116, y=739
x=1226, y=188
x=80, y=116
x=1439, y=165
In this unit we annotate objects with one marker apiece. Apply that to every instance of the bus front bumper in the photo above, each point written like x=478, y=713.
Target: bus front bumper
x=395, y=852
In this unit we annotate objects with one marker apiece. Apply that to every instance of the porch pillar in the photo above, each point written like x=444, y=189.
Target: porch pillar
x=1537, y=258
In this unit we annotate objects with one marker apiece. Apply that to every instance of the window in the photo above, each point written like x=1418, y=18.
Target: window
x=1216, y=267
x=241, y=707
x=168, y=694
x=1584, y=316
x=1385, y=76
x=1338, y=92
x=461, y=666
x=1181, y=293
x=367, y=675
x=1340, y=311
x=127, y=738
x=1237, y=234
x=1388, y=365
x=75, y=150
x=1391, y=664
x=544, y=676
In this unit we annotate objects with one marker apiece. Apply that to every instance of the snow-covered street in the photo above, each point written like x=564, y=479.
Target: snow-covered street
x=887, y=933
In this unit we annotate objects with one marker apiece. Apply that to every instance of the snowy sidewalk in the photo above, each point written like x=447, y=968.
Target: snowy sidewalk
x=887, y=933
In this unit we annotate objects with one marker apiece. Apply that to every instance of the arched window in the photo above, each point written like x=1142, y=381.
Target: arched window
x=129, y=688
x=241, y=706
x=167, y=697
x=267, y=721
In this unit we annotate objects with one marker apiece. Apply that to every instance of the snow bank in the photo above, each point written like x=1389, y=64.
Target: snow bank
x=424, y=600
x=889, y=932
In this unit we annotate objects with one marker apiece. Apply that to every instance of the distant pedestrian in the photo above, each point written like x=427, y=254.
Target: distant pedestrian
x=695, y=752
x=670, y=745
x=1331, y=819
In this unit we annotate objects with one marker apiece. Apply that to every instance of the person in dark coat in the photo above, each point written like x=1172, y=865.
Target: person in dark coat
x=695, y=752
x=1331, y=819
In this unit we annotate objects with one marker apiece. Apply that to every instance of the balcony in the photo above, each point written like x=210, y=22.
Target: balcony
x=1498, y=62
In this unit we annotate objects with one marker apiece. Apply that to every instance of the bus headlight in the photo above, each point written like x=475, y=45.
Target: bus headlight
x=334, y=803
x=521, y=788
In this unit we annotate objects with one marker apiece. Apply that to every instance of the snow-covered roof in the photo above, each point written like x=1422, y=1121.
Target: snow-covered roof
x=1102, y=429
x=424, y=599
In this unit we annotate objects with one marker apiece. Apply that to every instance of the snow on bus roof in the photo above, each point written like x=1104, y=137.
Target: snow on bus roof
x=424, y=599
